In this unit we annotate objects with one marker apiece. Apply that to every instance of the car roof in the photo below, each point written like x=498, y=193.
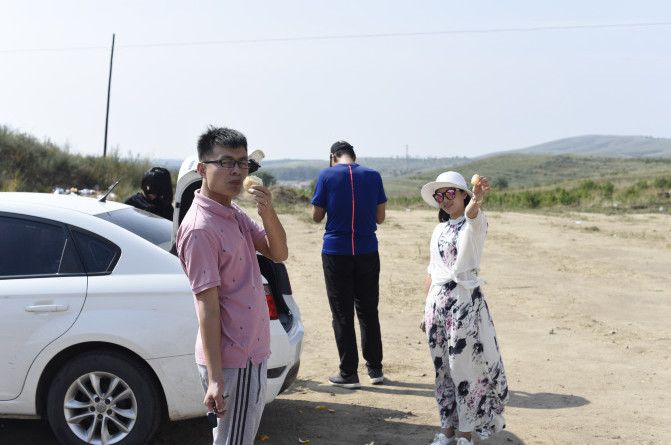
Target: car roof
x=82, y=204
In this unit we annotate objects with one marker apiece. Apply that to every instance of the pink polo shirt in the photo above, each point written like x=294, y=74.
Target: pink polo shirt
x=215, y=244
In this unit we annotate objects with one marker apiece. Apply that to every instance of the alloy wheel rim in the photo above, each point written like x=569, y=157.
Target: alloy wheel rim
x=100, y=408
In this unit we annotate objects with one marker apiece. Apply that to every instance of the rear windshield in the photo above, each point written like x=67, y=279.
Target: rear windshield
x=155, y=229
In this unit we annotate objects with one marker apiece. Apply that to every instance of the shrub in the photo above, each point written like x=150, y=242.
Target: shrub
x=642, y=185
x=500, y=183
x=33, y=166
x=268, y=178
x=531, y=199
x=662, y=183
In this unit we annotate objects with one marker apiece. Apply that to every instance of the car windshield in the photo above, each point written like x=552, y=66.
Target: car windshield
x=155, y=229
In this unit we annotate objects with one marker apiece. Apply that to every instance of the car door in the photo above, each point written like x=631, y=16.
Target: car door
x=42, y=290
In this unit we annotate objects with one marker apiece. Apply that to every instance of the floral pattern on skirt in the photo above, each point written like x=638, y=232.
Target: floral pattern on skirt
x=471, y=386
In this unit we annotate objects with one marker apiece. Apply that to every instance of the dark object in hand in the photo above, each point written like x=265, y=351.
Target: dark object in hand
x=253, y=166
x=212, y=419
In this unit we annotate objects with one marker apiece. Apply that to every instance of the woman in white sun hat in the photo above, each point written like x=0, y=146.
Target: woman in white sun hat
x=471, y=386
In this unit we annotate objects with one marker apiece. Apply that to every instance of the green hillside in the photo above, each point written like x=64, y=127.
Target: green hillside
x=515, y=167
x=534, y=170
x=30, y=165
x=525, y=181
x=520, y=181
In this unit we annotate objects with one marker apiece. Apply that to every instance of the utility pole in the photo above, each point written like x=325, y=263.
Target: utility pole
x=109, y=87
x=407, y=157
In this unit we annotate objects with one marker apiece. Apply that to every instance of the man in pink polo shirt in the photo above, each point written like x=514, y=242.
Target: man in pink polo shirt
x=217, y=244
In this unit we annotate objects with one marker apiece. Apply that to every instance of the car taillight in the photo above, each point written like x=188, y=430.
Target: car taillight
x=272, y=308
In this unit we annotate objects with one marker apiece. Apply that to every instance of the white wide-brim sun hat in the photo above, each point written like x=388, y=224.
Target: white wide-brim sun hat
x=445, y=179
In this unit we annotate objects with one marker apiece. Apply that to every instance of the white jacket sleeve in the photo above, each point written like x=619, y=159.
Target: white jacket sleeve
x=470, y=245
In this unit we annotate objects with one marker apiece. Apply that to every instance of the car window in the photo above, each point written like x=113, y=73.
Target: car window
x=155, y=229
x=29, y=247
x=70, y=262
x=98, y=254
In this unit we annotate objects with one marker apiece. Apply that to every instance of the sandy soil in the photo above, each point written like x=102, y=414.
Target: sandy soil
x=581, y=304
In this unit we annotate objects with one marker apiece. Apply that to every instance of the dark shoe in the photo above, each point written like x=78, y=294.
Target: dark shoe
x=376, y=376
x=351, y=381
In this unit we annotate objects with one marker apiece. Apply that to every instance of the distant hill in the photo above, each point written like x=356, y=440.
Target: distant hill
x=307, y=169
x=619, y=147
x=532, y=181
x=604, y=146
x=515, y=170
x=304, y=170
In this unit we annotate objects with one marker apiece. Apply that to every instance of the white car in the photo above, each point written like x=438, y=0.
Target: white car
x=97, y=321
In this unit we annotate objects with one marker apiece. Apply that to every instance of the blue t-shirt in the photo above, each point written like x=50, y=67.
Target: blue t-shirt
x=350, y=193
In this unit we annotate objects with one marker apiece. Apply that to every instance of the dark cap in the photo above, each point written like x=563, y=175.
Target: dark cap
x=341, y=145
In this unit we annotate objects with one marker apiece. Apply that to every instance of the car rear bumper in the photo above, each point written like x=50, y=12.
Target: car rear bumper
x=284, y=361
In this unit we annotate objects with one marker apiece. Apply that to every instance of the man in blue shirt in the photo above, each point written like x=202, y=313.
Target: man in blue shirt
x=353, y=197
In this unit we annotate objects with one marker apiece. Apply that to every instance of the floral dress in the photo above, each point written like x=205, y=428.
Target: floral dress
x=471, y=386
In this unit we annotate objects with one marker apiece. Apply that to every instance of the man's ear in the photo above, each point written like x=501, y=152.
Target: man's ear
x=200, y=168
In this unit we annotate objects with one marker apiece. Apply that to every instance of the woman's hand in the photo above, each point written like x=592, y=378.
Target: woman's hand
x=480, y=189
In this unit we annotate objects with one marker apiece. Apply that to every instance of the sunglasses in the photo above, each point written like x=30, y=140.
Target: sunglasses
x=448, y=194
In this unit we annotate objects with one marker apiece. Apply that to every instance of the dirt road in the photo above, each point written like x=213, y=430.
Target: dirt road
x=581, y=305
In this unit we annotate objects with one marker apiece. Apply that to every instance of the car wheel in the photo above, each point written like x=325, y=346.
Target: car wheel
x=103, y=398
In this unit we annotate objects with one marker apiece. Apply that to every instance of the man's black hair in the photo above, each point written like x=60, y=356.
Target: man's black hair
x=343, y=148
x=221, y=136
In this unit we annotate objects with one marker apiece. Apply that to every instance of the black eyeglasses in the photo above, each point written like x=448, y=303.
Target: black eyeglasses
x=243, y=164
x=448, y=194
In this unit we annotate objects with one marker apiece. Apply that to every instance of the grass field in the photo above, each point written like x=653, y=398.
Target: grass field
x=523, y=181
x=529, y=170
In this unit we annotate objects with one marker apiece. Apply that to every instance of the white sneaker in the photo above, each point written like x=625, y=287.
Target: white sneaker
x=464, y=441
x=442, y=439
x=499, y=422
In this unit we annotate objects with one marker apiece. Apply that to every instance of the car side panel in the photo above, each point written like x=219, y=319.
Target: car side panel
x=161, y=324
x=35, y=311
x=181, y=385
x=162, y=321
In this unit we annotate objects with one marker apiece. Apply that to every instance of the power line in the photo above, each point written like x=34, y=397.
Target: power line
x=42, y=50
x=351, y=36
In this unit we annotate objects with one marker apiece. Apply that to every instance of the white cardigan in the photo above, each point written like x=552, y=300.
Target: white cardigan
x=470, y=242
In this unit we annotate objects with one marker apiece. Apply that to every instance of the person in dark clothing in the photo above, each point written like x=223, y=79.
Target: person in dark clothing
x=353, y=197
x=156, y=195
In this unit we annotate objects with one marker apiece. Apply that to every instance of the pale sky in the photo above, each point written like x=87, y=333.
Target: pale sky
x=434, y=84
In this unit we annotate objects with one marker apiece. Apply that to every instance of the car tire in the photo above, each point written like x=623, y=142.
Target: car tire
x=103, y=398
